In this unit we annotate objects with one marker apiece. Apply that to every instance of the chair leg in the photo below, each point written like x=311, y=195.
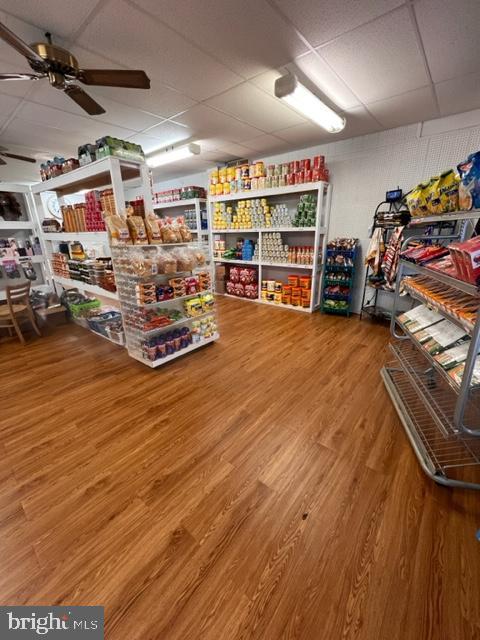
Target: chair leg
x=31, y=315
x=17, y=329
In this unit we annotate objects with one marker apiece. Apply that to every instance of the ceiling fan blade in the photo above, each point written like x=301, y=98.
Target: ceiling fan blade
x=19, y=76
x=2, y=161
x=127, y=78
x=14, y=155
x=22, y=47
x=83, y=100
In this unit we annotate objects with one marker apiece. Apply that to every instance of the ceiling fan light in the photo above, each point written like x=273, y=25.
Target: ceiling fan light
x=172, y=154
x=297, y=96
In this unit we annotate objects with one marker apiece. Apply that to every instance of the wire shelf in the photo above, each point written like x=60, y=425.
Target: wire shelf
x=436, y=393
x=442, y=451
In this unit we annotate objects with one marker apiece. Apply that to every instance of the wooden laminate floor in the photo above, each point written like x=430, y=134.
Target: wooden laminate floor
x=260, y=488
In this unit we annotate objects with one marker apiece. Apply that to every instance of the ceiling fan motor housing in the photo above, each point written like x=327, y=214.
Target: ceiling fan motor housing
x=60, y=61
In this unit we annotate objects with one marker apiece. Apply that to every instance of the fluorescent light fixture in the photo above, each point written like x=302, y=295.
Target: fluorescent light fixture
x=173, y=154
x=289, y=89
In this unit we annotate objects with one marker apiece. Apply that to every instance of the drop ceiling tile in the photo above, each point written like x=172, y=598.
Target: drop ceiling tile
x=53, y=141
x=459, y=94
x=266, y=80
x=59, y=17
x=69, y=123
x=303, y=135
x=449, y=33
x=233, y=32
x=7, y=106
x=327, y=81
x=267, y=143
x=205, y=122
x=168, y=133
x=414, y=106
x=131, y=38
x=116, y=113
x=148, y=144
x=380, y=59
x=250, y=104
x=320, y=22
x=159, y=100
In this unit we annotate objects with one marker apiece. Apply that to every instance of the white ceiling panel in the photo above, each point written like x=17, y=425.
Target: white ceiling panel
x=51, y=140
x=267, y=143
x=126, y=35
x=459, y=94
x=168, y=133
x=266, y=80
x=205, y=122
x=303, y=135
x=449, y=33
x=147, y=143
x=320, y=22
x=57, y=16
x=327, y=81
x=248, y=37
x=70, y=123
x=250, y=104
x=116, y=114
x=380, y=59
x=7, y=106
x=410, y=107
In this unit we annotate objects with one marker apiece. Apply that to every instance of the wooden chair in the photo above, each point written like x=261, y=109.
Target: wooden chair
x=18, y=305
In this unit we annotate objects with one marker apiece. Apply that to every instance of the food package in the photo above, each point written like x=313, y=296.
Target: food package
x=193, y=307
x=449, y=191
x=137, y=229
x=117, y=230
x=417, y=202
x=169, y=231
x=185, y=258
x=152, y=226
x=432, y=196
x=469, y=187
x=166, y=262
x=143, y=265
x=200, y=258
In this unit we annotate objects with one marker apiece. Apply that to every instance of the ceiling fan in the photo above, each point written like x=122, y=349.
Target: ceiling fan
x=62, y=70
x=3, y=152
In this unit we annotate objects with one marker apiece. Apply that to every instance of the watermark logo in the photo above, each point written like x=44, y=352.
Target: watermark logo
x=58, y=623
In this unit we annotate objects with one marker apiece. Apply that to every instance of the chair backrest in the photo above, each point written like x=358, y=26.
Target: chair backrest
x=18, y=294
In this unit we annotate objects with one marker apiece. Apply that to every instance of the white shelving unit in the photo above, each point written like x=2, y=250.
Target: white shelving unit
x=23, y=230
x=297, y=236
x=107, y=172
x=177, y=207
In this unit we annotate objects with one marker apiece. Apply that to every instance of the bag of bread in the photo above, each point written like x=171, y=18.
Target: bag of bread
x=169, y=235
x=200, y=257
x=118, y=232
x=152, y=226
x=186, y=260
x=166, y=262
x=185, y=233
x=137, y=229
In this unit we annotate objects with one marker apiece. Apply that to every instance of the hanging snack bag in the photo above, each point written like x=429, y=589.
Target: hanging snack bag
x=152, y=226
x=449, y=191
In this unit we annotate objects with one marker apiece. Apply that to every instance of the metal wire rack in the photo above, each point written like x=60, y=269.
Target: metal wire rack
x=439, y=453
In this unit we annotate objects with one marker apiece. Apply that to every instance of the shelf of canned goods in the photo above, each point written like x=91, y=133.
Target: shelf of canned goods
x=167, y=301
x=258, y=236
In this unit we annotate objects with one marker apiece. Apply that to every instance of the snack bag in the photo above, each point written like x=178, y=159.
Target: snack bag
x=185, y=258
x=169, y=235
x=432, y=196
x=152, y=226
x=166, y=262
x=466, y=188
x=449, y=191
x=416, y=201
x=137, y=229
x=117, y=230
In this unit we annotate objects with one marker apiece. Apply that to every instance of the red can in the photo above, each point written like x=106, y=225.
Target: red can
x=315, y=175
x=308, y=175
x=305, y=164
x=290, y=178
x=318, y=162
x=299, y=177
x=296, y=166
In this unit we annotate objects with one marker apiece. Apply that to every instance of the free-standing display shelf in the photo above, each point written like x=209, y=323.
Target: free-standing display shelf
x=338, y=274
x=177, y=208
x=297, y=236
x=441, y=419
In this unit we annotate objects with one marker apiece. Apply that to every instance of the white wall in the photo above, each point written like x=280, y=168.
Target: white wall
x=362, y=169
